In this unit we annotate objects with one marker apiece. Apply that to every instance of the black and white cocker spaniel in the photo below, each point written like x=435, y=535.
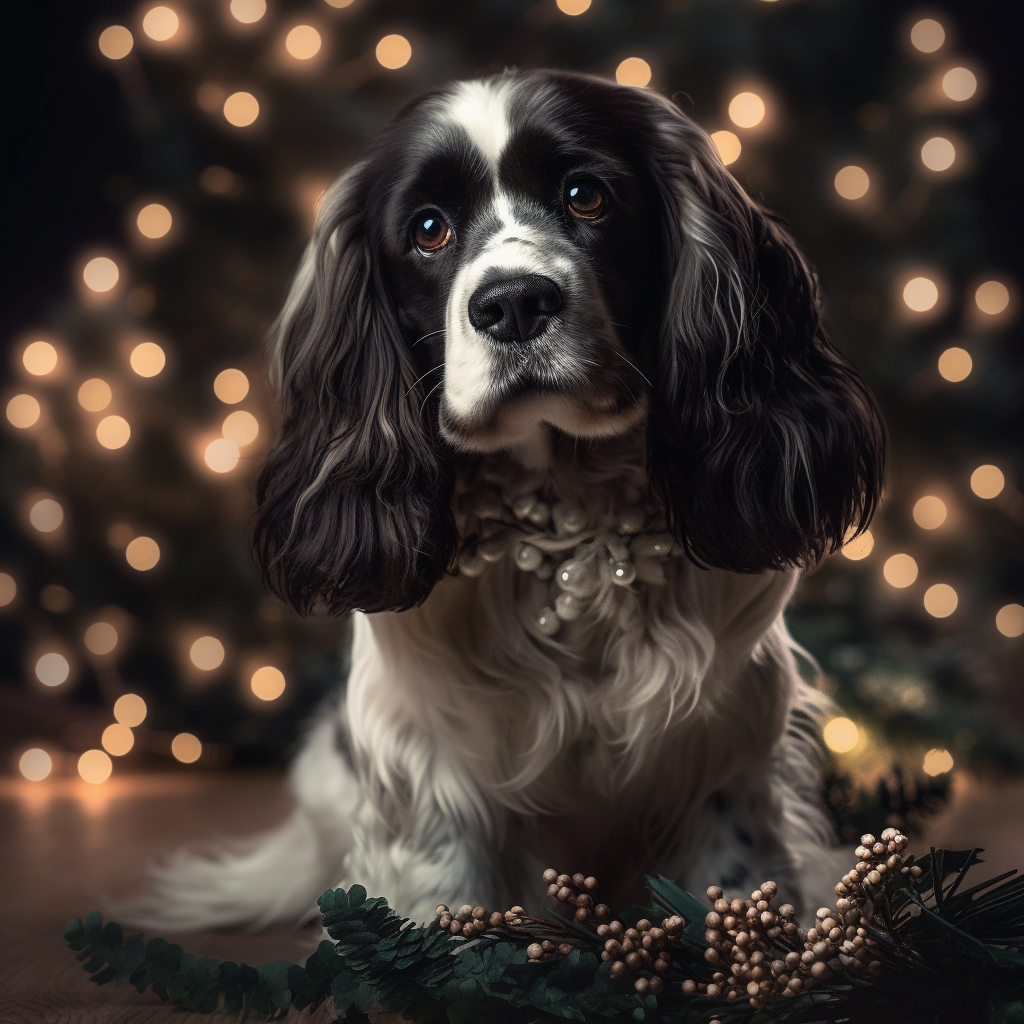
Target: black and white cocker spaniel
x=561, y=426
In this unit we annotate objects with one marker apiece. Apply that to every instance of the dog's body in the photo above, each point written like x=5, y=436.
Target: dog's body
x=642, y=433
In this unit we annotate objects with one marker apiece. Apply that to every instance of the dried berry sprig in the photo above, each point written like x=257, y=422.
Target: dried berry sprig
x=762, y=952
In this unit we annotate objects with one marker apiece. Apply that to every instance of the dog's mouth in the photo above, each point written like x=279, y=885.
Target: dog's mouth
x=519, y=410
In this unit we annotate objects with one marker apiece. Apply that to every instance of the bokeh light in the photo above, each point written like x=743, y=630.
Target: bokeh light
x=113, y=432
x=900, y=570
x=339, y=3
x=161, y=23
x=95, y=766
x=940, y=600
x=959, y=84
x=927, y=35
x=841, y=735
x=116, y=42
x=35, y=764
x=39, y=358
x=1010, y=620
x=52, y=669
x=207, y=653
x=142, y=553
x=241, y=109
x=100, y=638
x=955, y=364
x=573, y=7
x=992, y=297
x=8, y=589
x=746, y=110
x=267, y=683
x=154, y=220
x=186, y=748
x=728, y=145
x=130, y=710
x=221, y=455
x=920, y=294
x=633, y=71
x=859, y=547
x=46, y=515
x=100, y=274
x=55, y=598
x=147, y=359
x=303, y=42
x=937, y=762
x=852, y=182
x=23, y=411
x=241, y=427
x=231, y=386
x=248, y=11
x=938, y=154
x=929, y=512
x=117, y=739
x=987, y=481
x=393, y=52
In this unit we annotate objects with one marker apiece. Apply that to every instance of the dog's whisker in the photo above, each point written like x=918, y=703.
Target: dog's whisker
x=433, y=369
x=425, y=336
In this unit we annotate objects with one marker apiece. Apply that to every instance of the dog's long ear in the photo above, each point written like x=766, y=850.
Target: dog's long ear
x=354, y=501
x=765, y=444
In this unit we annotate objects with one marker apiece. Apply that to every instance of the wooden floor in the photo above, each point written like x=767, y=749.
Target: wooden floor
x=66, y=846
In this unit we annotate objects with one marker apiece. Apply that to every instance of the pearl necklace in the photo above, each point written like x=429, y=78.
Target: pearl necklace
x=586, y=555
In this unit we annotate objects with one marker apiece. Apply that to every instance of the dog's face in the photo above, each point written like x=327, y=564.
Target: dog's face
x=536, y=252
x=522, y=246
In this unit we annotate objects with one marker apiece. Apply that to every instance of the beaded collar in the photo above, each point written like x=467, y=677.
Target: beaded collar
x=585, y=555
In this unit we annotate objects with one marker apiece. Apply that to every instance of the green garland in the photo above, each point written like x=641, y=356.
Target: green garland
x=945, y=955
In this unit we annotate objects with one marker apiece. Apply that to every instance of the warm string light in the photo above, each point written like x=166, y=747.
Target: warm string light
x=113, y=432
x=852, y=182
x=393, y=52
x=95, y=766
x=927, y=35
x=147, y=359
x=920, y=294
x=303, y=42
x=937, y=762
x=53, y=669
x=959, y=84
x=23, y=411
x=746, y=110
x=241, y=427
x=938, y=154
x=573, y=7
x=142, y=553
x=1010, y=620
x=900, y=571
x=929, y=512
x=221, y=455
x=154, y=220
x=186, y=748
x=116, y=42
x=633, y=71
x=841, y=735
x=100, y=638
x=46, y=515
x=207, y=653
x=8, y=589
x=992, y=297
x=231, y=386
x=117, y=739
x=987, y=481
x=161, y=24
x=241, y=109
x=35, y=764
x=130, y=710
x=955, y=364
x=267, y=683
x=39, y=358
x=100, y=274
x=728, y=145
x=248, y=11
x=940, y=600
x=858, y=547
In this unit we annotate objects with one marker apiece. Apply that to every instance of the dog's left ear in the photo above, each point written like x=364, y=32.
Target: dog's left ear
x=765, y=444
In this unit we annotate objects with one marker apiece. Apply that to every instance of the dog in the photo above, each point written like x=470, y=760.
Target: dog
x=562, y=428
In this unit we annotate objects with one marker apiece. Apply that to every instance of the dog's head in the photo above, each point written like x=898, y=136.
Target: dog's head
x=545, y=251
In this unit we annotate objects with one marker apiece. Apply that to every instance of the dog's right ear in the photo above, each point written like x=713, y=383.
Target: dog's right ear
x=354, y=508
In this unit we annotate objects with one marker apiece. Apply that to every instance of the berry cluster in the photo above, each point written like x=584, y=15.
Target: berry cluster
x=644, y=947
x=760, y=949
x=469, y=921
x=575, y=890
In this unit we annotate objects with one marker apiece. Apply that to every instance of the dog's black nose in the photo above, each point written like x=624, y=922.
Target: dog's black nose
x=516, y=309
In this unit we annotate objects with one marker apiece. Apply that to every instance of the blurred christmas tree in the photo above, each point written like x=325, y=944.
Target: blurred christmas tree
x=138, y=413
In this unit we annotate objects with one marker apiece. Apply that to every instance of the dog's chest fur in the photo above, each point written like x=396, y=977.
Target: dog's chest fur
x=612, y=727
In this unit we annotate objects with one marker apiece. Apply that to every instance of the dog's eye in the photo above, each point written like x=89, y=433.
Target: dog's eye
x=431, y=233
x=584, y=200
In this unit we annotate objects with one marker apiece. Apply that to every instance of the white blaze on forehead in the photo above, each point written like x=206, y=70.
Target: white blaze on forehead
x=481, y=110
